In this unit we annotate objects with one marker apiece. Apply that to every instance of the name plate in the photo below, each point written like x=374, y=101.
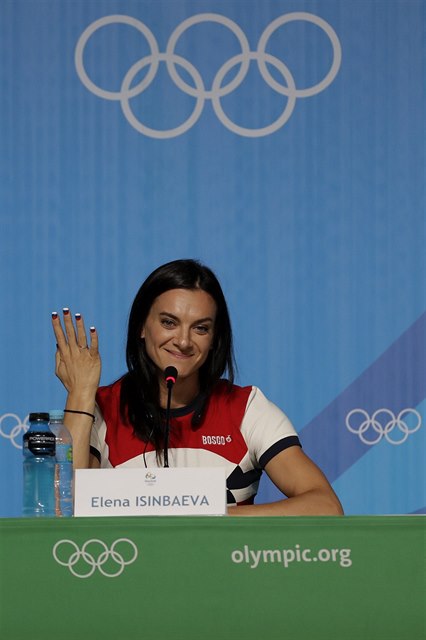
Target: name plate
x=150, y=492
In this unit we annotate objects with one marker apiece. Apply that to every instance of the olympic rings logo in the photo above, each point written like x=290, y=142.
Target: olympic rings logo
x=17, y=430
x=382, y=424
x=83, y=562
x=218, y=89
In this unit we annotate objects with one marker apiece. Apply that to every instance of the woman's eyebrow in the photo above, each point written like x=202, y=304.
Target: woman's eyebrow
x=171, y=315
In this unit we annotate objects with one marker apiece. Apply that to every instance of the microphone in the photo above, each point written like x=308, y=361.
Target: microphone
x=170, y=376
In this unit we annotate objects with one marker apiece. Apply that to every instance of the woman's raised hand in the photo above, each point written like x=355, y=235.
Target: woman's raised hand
x=78, y=363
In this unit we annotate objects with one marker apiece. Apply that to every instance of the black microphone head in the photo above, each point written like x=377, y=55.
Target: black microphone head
x=170, y=375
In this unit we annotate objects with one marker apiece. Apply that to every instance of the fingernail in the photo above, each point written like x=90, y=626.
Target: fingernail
x=66, y=311
x=78, y=316
x=54, y=314
x=92, y=329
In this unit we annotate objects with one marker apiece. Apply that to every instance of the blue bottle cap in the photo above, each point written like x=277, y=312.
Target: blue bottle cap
x=56, y=414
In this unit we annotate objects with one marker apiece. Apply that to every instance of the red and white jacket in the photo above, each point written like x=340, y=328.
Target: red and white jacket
x=241, y=430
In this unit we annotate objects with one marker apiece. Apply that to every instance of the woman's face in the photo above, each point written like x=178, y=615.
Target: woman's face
x=179, y=330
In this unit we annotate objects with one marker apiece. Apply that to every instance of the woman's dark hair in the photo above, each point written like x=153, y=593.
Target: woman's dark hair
x=139, y=401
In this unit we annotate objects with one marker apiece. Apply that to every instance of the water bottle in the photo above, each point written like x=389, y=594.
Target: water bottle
x=39, y=467
x=63, y=469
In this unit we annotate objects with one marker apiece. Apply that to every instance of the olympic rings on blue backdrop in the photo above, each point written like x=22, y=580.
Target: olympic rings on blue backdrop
x=218, y=89
x=382, y=424
x=16, y=431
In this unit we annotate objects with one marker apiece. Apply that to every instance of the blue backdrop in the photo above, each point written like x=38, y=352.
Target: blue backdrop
x=282, y=143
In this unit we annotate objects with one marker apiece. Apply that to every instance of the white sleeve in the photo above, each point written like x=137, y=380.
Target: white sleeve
x=98, y=444
x=266, y=429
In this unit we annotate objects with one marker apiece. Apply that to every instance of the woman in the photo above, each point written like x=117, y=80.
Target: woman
x=180, y=318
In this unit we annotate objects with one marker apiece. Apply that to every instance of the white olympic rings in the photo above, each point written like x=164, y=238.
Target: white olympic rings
x=199, y=91
x=76, y=554
x=16, y=431
x=382, y=424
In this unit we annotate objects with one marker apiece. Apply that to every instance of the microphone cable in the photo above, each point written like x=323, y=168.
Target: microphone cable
x=170, y=375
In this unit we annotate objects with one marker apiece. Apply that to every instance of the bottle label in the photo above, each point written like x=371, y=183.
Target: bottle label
x=40, y=443
x=63, y=452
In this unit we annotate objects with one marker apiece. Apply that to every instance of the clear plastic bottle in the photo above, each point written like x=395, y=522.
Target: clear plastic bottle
x=64, y=469
x=39, y=468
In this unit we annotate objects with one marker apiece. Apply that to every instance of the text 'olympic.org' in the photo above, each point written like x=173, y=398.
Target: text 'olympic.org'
x=285, y=557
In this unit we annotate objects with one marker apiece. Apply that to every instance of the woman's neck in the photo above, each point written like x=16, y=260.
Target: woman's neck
x=183, y=393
